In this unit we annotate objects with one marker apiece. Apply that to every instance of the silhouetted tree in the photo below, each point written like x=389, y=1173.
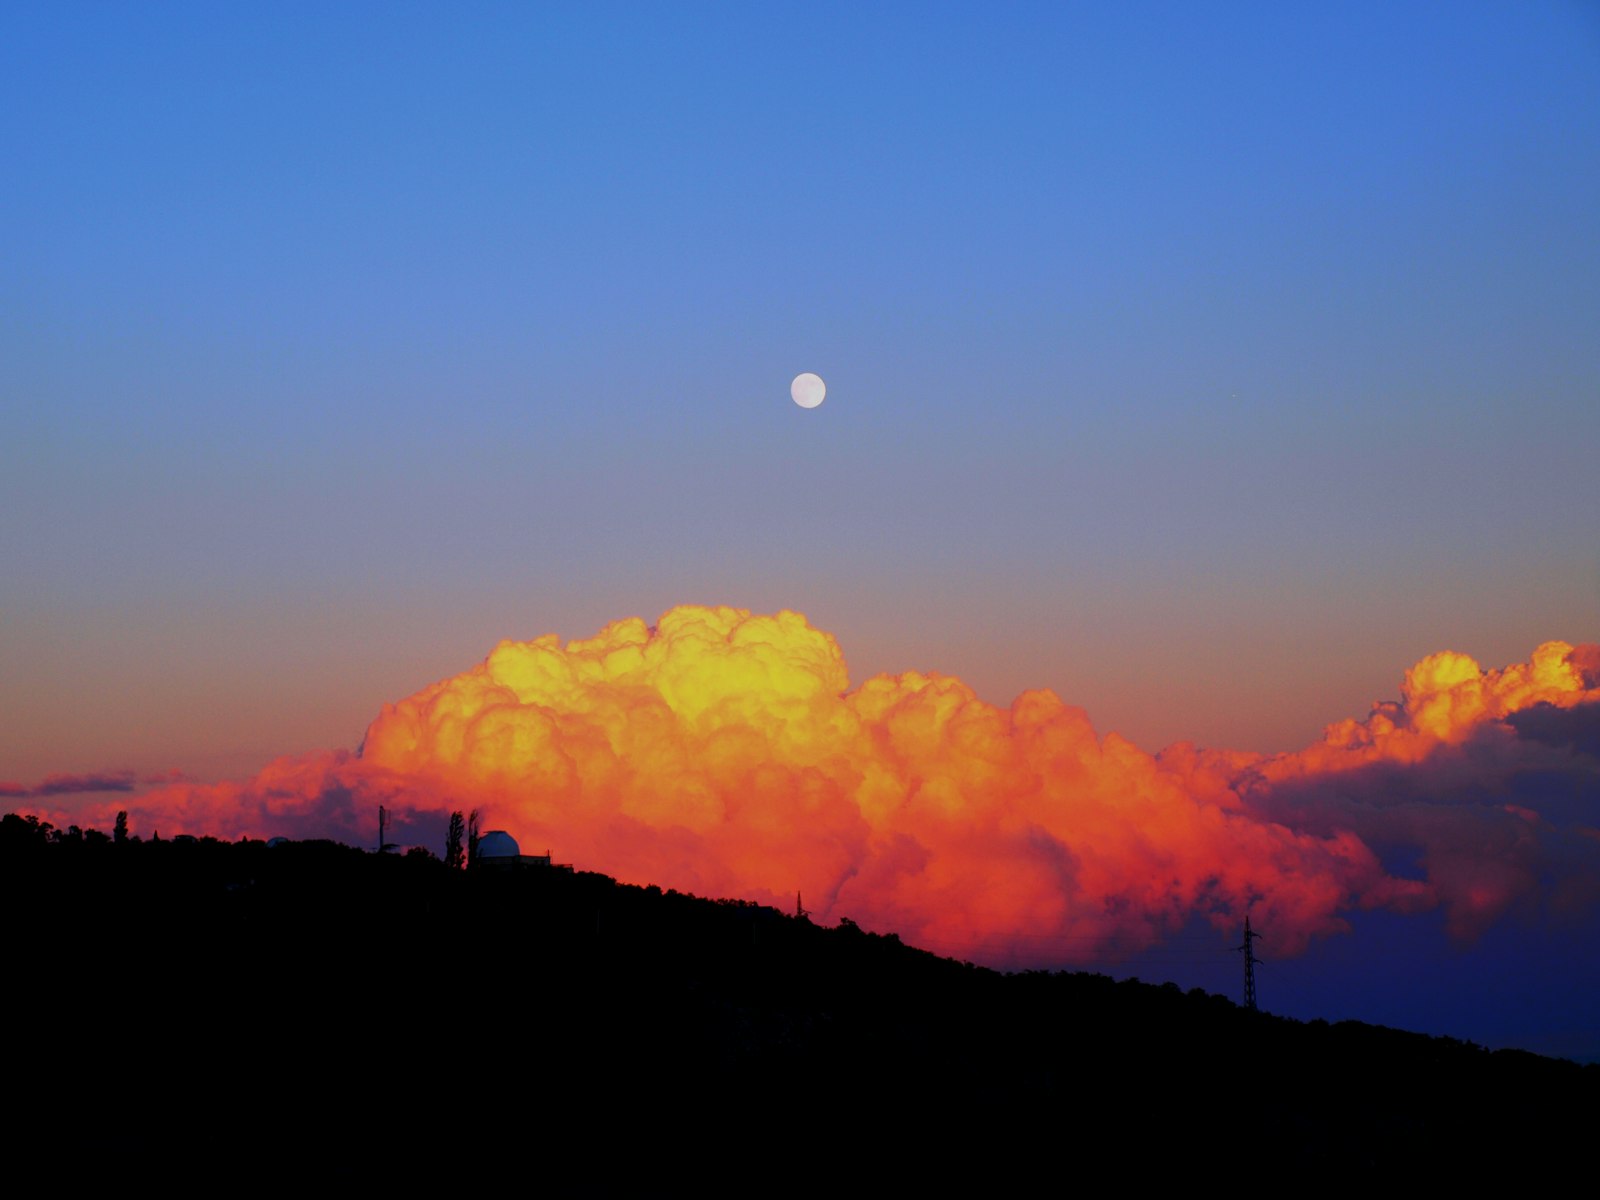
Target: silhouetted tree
x=119, y=831
x=16, y=830
x=472, y=838
x=452, y=842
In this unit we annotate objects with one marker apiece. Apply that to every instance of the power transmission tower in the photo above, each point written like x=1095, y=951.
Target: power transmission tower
x=800, y=909
x=1250, y=961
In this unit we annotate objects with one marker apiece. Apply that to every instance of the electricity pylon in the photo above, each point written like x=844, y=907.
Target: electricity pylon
x=1250, y=961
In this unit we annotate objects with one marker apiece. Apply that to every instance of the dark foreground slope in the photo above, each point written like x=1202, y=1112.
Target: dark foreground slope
x=193, y=1008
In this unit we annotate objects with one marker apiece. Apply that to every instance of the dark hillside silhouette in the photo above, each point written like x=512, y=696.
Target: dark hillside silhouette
x=313, y=1007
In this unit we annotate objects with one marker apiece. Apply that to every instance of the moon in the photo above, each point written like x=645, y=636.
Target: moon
x=808, y=389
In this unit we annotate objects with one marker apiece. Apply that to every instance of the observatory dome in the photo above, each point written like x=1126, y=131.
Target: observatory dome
x=497, y=843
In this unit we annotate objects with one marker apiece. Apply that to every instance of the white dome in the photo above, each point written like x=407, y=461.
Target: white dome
x=497, y=843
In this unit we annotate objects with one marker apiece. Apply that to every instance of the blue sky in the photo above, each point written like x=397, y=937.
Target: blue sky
x=1157, y=339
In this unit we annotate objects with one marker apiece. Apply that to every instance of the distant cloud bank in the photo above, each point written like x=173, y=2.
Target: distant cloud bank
x=725, y=753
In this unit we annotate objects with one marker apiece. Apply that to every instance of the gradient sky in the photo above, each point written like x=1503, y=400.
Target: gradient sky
x=1206, y=364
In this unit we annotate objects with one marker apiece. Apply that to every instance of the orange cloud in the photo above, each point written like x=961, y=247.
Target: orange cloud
x=725, y=753
x=1470, y=775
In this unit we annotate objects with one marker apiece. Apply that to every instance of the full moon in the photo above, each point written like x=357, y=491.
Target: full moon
x=808, y=389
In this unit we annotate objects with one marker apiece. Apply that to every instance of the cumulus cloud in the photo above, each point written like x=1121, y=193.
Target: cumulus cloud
x=725, y=753
x=1483, y=782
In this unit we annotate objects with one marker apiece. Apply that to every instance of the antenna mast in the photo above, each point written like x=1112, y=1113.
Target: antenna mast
x=1250, y=961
